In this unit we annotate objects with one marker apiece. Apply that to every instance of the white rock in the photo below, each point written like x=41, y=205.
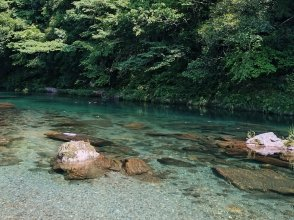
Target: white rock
x=76, y=151
x=266, y=144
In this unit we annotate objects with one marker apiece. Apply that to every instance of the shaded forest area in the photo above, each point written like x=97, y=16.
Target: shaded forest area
x=228, y=53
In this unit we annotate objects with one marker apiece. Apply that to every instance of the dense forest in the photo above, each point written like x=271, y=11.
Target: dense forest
x=228, y=53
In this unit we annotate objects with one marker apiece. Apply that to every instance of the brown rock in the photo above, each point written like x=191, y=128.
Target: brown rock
x=108, y=164
x=6, y=105
x=134, y=166
x=78, y=171
x=260, y=180
x=98, y=142
x=272, y=161
x=135, y=126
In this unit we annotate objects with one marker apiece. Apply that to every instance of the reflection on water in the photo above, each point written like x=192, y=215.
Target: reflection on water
x=166, y=136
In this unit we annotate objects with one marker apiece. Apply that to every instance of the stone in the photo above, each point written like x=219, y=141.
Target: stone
x=6, y=105
x=78, y=160
x=288, y=155
x=260, y=180
x=135, y=126
x=134, y=166
x=98, y=142
x=109, y=164
x=174, y=162
x=266, y=144
x=76, y=151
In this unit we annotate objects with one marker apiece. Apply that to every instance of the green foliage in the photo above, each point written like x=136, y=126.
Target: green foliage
x=221, y=52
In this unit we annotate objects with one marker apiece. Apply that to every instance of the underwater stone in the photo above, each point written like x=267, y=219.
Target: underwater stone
x=135, y=126
x=98, y=142
x=174, y=162
x=6, y=105
x=260, y=180
x=134, y=166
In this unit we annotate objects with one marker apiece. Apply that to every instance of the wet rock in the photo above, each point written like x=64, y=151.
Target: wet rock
x=261, y=180
x=134, y=166
x=135, y=126
x=174, y=162
x=78, y=137
x=6, y=105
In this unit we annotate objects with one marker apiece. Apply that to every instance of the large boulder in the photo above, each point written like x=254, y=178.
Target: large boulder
x=260, y=179
x=78, y=160
x=76, y=151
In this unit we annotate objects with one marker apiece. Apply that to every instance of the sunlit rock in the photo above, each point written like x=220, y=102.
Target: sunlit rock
x=76, y=151
x=266, y=144
x=78, y=160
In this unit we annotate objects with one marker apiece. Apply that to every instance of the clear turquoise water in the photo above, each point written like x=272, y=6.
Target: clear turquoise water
x=29, y=190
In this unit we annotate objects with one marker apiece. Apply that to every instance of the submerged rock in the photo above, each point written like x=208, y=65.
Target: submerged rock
x=135, y=126
x=134, y=166
x=174, y=162
x=77, y=137
x=6, y=105
x=261, y=180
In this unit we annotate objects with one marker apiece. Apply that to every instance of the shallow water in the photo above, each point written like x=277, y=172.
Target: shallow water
x=30, y=190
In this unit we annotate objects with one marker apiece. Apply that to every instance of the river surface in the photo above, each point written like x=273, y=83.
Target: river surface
x=30, y=190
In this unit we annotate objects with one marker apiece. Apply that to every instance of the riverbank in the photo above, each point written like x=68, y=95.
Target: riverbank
x=264, y=101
